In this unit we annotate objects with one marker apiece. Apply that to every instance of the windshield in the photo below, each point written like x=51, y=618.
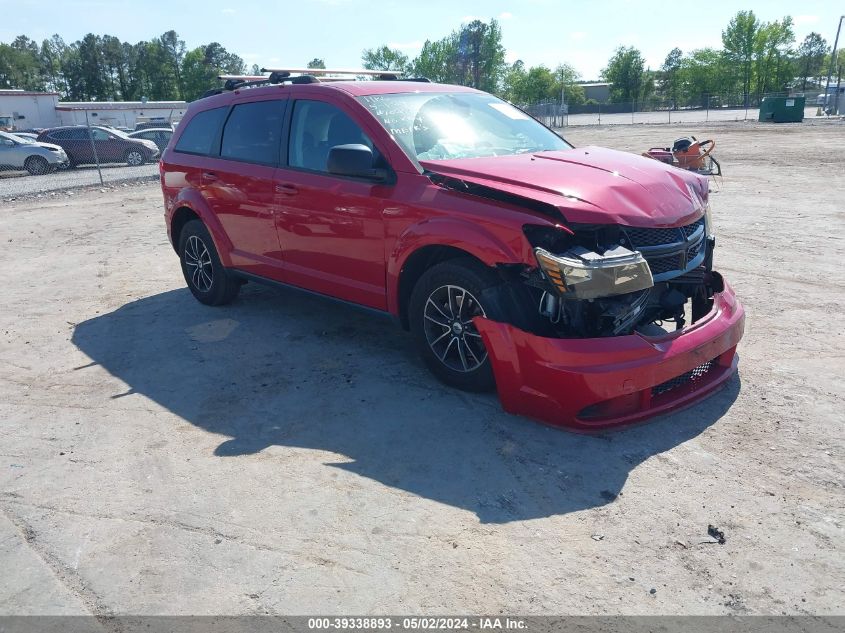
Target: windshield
x=436, y=126
x=12, y=137
x=23, y=139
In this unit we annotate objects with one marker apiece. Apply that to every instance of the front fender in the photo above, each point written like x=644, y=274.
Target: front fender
x=458, y=233
x=193, y=200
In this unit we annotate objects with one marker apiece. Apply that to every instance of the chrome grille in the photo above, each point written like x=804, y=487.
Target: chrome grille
x=669, y=252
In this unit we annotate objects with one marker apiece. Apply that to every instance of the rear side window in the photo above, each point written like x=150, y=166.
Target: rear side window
x=253, y=132
x=200, y=132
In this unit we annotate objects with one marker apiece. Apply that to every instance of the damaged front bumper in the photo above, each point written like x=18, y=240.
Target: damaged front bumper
x=597, y=383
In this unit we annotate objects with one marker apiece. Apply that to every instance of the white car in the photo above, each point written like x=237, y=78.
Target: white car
x=19, y=152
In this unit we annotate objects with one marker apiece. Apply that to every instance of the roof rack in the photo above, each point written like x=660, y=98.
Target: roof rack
x=322, y=72
x=303, y=76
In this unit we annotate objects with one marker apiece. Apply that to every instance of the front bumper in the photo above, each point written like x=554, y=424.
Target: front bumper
x=593, y=384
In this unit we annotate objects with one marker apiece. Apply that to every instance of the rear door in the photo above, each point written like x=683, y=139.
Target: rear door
x=238, y=183
x=77, y=144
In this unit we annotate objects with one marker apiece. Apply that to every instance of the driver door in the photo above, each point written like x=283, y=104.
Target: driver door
x=331, y=228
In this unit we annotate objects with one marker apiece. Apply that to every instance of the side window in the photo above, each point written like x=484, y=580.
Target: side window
x=200, y=132
x=77, y=134
x=99, y=135
x=316, y=127
x=253, y=132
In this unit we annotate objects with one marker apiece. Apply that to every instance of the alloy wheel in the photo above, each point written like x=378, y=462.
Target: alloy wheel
x=198, y=262
x=449, y=330
x=135, y=158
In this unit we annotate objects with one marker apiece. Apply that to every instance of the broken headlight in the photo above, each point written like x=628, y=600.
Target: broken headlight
x=580, y=273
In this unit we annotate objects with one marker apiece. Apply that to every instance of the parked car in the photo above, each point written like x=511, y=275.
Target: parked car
x=159, y=136
x=578, y=282
x=111, y=146
x=154, y=123
x=20, y=152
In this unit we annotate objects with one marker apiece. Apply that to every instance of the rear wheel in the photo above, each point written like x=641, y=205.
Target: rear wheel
x=443, y=304
x=206, y=277
x=134, y=157
x=37, y=165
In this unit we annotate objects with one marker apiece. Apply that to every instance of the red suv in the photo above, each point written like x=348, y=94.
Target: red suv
x=578, y=282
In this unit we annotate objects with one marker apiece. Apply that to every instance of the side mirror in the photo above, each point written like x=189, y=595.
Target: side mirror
x=354, y=160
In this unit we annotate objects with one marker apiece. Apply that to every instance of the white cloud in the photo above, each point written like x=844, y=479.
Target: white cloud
x=505, y=15
x=805, y=19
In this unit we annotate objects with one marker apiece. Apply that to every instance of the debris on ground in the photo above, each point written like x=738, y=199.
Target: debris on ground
x=716, y=533
x=597, y=537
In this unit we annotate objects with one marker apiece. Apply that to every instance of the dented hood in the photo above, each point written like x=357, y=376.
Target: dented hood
x=589, y=185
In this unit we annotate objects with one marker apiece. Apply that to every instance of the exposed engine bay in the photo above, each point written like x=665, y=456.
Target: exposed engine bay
x=612, y=281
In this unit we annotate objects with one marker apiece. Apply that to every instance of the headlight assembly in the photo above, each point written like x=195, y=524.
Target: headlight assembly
x=583, y=274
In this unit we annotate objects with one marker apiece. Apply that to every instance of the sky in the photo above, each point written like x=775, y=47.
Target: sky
x=289, y=34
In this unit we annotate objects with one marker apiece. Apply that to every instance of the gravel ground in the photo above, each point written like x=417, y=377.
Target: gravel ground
x=16, y=184
x=288, y=455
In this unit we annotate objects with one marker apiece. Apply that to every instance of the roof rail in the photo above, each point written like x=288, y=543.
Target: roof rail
x=303, y=76
x=319, y=72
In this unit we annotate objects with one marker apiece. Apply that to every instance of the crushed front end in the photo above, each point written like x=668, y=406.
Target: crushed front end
x=626, y=323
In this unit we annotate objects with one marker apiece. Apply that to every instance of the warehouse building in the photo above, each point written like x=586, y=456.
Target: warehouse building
x=23, y=110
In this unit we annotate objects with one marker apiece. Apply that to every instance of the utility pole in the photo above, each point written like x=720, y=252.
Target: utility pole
x=830, y=65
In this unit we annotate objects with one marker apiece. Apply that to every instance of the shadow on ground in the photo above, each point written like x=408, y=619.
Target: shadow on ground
x=282, y=368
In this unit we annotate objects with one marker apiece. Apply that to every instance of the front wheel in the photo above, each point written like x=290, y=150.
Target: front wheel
x=443, y=304
x=206, y=277
x=37, y=165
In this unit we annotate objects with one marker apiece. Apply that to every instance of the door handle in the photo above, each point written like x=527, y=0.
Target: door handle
x=209, y=176
x=287, y=189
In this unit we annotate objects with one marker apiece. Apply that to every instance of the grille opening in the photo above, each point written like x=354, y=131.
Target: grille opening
x=693, y=375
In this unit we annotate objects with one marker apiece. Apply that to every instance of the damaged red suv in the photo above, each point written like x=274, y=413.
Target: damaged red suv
x=577, y=282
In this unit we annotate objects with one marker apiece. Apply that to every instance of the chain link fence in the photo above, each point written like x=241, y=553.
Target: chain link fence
x=42, y=161
x=704, y=109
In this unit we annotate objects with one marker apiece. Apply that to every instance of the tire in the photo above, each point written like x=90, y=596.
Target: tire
x=134, y=157
x=37, y=165
x=209, y=282
x=442, y=329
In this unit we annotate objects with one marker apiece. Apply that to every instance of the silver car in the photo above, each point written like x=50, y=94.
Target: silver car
x=18, y=152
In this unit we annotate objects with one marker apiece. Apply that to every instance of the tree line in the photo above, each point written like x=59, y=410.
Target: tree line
x=100, y=68
x=756, y=58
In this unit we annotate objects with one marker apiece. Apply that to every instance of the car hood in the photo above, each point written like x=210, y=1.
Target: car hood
x=589, y=185
x=49, y=145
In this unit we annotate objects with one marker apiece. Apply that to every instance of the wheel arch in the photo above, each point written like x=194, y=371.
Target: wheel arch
x=434, y=241
x=191, y=206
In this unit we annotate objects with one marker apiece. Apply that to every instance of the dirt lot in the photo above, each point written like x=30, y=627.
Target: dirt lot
x=288, y=455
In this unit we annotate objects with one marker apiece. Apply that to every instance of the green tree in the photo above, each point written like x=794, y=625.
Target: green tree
x=703, y=72
x=772, y=63
x=480, y=55
x=626, y=71
x=670, y=81
x=738, y=40
x=20, y=65
x=567, y=84
x=436, y=61
x=174, y=52
x=811, y=55
x=203, y=64
x=316, y=63
x=384, y=58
